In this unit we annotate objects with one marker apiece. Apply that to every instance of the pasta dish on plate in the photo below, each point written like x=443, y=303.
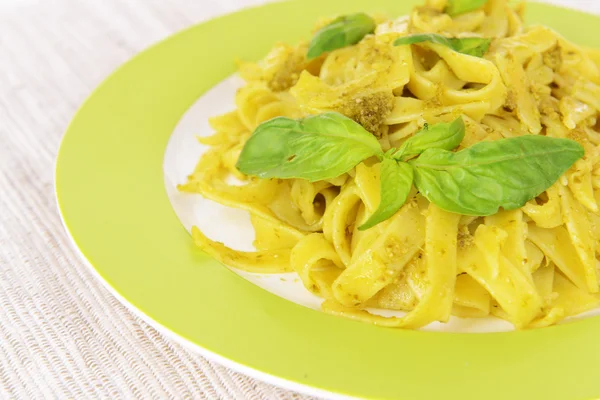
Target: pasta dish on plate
x=441, y=163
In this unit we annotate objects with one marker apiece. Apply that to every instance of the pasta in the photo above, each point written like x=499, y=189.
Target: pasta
x=532, y=266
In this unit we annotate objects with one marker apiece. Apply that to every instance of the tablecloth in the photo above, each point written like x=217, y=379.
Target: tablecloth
x=62, y=335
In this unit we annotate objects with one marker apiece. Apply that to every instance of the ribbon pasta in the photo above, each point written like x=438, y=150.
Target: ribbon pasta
x=533, y=266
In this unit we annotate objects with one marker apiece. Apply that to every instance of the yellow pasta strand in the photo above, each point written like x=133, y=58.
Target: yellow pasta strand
x=471, y=300
x=388, y=255
x=557, y=246
x=316, y=262
x=507, y=284
x=513, y=247
x=436, y=303
x=579, y=228
x=572, y=299
x=271, y=261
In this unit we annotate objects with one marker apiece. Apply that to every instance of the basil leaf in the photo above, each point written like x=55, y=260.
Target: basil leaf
x=396, y=179
x=504, y=173
x=318, y=147
x=445, y=136
x=472, y=46
x=456, y=7
x=344, y=31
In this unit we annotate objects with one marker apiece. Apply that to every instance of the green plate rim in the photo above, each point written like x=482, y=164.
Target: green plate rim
x=113, y=203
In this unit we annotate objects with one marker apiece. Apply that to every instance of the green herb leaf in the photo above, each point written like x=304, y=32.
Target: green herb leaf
x=344, y=31
x=318, y=147
x=489, y=175
x=456, y=7
x=395, y=183
x=445, y=136
x=472, y=46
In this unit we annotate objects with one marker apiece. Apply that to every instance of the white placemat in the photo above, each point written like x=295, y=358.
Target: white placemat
x=62, y=335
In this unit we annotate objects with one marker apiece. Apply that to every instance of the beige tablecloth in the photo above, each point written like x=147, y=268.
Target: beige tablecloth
x=62, y=335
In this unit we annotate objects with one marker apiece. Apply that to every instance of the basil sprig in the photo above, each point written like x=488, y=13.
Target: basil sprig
x=472, y=46
x=456, y=7
x=474, y=181
x=318, y=147
x=488, y=175
x=439, y=136
x=392, y=197
x=343, y=31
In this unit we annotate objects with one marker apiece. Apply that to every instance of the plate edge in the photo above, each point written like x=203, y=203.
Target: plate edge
x=169, y=334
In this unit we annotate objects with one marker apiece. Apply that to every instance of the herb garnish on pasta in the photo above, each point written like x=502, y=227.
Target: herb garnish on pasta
x=474, y=181
x=456, y=7
x=472, y=46
x=343, y=31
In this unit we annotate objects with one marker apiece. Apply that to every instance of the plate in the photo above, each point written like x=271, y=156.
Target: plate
x=111, y=194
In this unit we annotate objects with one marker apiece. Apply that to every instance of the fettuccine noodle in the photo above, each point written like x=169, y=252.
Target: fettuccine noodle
x=532, y=266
